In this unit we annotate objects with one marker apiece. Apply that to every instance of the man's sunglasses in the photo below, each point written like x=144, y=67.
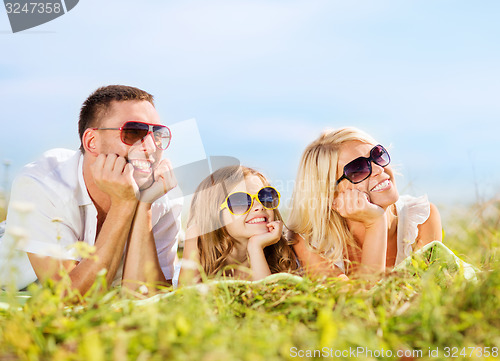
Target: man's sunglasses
x=239, y=203
x=360, y=168
x=132, y=132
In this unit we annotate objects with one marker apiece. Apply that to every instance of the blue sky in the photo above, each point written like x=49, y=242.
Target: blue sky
x=263, y=78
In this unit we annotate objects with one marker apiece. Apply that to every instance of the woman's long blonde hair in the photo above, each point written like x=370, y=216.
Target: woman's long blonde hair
x=214, y=243
x=312, y=214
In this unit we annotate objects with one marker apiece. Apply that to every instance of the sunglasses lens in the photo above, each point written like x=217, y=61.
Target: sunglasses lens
x=132, y=132
x=239, y=203
x=380, y=156
x=162, y=136
x=269, y=197
x=358, y=170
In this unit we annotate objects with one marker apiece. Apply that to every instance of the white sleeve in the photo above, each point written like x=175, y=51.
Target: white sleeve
x=412, y=211
x=166, y=232
x=38, y=221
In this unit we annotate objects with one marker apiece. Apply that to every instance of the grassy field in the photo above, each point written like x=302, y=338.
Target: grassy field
x=427, y=311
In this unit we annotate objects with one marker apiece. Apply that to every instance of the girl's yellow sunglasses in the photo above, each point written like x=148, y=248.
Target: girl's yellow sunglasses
x=239, y=203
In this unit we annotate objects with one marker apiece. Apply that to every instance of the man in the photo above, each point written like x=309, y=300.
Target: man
x=110, y=194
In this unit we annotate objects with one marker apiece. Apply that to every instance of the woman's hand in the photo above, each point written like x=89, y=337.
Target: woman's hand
x=355, y=205
x=273, y=235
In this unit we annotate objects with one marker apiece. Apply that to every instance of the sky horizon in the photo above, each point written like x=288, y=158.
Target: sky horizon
x=264, y=78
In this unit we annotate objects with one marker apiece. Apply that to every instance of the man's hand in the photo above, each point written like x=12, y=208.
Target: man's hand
x=164, y=181
x=273, y=235
x=114, y=176
x=355, y=205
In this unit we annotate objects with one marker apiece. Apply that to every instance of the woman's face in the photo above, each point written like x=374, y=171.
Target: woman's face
x=254, y=222
x=379, y=186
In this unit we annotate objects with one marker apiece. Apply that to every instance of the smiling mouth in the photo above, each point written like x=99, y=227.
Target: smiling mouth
x=140, y=165
x=257, y=220
x=381, y=186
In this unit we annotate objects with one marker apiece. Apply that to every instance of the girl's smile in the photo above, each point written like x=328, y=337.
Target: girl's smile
x=257, y=220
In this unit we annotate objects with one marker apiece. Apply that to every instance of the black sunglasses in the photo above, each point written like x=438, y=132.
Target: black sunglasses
x=360, y=168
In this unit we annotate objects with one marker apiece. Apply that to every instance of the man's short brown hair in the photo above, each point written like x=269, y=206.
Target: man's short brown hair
x=96, y=105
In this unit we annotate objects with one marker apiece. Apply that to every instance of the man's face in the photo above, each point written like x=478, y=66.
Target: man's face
x=143, y=155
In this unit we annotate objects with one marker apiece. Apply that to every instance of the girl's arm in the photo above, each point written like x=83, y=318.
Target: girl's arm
x=258, y=263
x=255, y=248
x=190, y=273
x=430, y=230
x=314, y=264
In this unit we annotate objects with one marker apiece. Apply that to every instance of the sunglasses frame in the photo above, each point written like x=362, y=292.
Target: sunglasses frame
x=369, y=159
x=150, y=130
x=253, y=196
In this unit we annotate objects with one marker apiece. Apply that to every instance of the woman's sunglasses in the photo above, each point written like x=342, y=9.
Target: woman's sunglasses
x=239, y=203
x=132, y=132
x=360, y=168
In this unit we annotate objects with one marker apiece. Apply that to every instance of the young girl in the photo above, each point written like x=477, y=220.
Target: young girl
x=234, y=226
x=347, y=214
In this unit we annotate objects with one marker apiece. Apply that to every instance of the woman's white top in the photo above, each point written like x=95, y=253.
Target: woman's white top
x=411, y=211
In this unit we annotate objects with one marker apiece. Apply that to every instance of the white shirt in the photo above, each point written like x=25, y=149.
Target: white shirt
x=411, y=212
x=50, y=211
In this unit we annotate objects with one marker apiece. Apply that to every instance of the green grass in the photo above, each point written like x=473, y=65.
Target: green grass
x=427, y=307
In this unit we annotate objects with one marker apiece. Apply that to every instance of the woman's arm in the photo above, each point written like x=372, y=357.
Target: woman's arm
x=314, y=264
x=190, y=273
x=430, y=230
x=368, y=223
x=374, y=248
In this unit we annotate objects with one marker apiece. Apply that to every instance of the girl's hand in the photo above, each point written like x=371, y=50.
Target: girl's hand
x=355, y=205
x=255, y=248
x=273, y=235
x=164, y=181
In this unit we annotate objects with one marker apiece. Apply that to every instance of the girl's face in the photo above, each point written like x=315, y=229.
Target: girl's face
x=254, y=222
x=379, y=186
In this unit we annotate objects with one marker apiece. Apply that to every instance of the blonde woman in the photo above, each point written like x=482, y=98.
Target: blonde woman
x=347, y=215
x=235, y=229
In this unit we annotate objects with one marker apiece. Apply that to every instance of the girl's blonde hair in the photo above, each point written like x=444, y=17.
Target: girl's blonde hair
x=214, y=242
x=312, y=214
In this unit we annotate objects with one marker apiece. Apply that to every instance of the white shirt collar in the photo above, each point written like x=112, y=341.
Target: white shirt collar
x=83, y=197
